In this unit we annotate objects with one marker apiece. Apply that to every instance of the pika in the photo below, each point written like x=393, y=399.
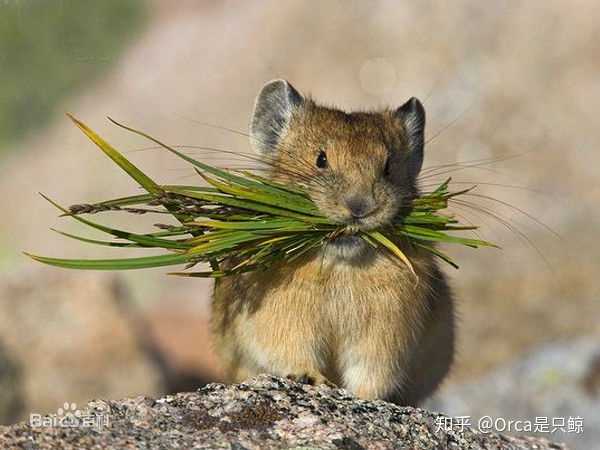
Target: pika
x=347, y=314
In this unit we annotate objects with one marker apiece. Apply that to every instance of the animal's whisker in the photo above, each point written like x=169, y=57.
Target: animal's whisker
x=507, y=224
x=480, y=161
x=484, y=183
x=218, y=127
x=281, y=145
x=475, y=164
x=517, y=209
x=448, y=125
x=466, y=219
x=271, y=162
x=432, y=175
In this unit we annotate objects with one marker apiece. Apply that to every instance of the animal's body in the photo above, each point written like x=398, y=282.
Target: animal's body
x=348, y=313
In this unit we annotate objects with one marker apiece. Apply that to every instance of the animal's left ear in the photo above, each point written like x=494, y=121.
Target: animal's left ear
x=412, y=117
x=273, y=110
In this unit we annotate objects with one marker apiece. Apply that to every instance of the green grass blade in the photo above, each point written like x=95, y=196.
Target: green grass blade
x=439, y=236
x=293, y=198
x=270, y=224
x=211, y=274
x=289, y=188
x=437, y=253
x=135, y=173
x=145, y=181
x=98, y=242
x=277, y=199
x=379, y=237
x=248, y=204
x=144, y=262
x=232, y=240
x=205, y=167
x=127, y=201
x=137, y=238
x=247, y=222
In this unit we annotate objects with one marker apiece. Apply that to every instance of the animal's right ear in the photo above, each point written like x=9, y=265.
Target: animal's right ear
x=412, y=117
x=273, y=110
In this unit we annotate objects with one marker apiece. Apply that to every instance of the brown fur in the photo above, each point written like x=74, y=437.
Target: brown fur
x=358, y=319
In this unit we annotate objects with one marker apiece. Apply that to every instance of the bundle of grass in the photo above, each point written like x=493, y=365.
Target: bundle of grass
x=246, y=219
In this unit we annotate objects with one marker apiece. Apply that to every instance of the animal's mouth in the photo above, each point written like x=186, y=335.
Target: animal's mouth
x=347, y=237
x=347, y=244
x=371, y=222
x=347, y=240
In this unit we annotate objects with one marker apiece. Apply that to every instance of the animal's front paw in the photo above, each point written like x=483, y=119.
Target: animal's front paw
x=310, y=378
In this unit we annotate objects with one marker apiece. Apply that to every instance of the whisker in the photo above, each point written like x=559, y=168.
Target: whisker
x=508, y=186
x=448, y=125
x=218, y=127
x=489, y=160
x=461, y=165
x=458, y=169
x=259, y=159
x=519, y=210
x=506, y=223
x=466, y=219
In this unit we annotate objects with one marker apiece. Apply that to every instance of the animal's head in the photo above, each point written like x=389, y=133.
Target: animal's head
x=359, y=168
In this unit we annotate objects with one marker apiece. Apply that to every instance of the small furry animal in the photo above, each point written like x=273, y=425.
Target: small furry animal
x=348, y=314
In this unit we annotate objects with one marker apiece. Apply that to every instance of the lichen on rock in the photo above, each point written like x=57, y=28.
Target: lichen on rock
x=265, y=412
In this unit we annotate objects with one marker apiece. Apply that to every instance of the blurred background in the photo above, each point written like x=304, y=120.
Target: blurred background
x=513, y=83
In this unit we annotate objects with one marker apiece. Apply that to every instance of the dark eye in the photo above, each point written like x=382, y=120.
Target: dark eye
x=322, y=160
x=386, y=168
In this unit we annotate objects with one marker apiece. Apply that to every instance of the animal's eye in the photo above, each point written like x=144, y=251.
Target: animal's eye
x=386, y=168
x=322, y=160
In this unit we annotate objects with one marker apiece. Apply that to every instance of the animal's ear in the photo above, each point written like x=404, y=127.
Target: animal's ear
x=273, y=110
x=412, y=116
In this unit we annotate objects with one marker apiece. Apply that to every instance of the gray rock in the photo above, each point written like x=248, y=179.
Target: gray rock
x=265, y=412
x=11, y=387
x=70, y=339
x=557, y=382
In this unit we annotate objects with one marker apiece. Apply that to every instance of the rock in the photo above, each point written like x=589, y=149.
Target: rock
x=558, y=382
x=265, y=412
x=11, y=387
x=70, y=339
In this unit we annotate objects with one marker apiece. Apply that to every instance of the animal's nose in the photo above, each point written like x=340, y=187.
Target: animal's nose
x=360, y=206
